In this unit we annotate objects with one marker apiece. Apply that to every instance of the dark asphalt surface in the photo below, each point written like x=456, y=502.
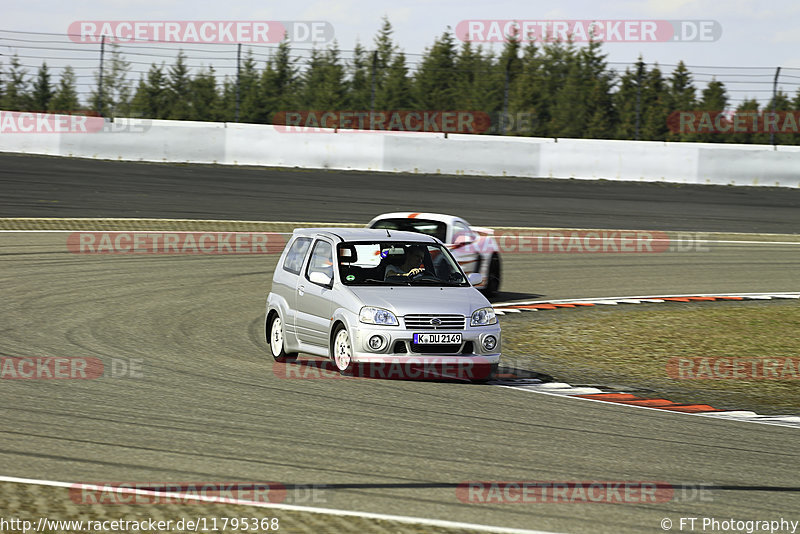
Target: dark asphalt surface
x=40, y=186
x=210, y=404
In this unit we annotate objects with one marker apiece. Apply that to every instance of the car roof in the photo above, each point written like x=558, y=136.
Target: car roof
x=416, y=215
x=365, y=234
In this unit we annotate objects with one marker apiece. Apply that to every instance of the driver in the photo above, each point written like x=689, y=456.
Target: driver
x=414, y=256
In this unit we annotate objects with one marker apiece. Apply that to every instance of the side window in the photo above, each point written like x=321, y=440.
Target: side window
x=294, y=258
x=321, y=259
x=460, y=229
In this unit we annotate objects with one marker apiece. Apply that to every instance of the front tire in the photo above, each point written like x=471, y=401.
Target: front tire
x=342, y=351
x=493, y=284
x=276, y=339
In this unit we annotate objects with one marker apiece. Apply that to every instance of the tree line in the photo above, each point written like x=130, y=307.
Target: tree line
x=563, y=90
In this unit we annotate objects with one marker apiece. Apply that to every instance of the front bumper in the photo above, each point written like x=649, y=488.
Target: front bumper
x=398, y=345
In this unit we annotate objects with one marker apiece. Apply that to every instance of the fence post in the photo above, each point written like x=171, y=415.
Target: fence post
x=238, y=77
x=639, y=70
x=504, y=113
x=774, y=97
x=100, y=78
x=372, y=89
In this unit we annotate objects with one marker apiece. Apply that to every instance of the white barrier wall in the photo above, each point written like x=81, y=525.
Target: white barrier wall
x=428, y=153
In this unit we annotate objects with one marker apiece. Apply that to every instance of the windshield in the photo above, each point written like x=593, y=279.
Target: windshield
x=398, y=263
x=437, y=229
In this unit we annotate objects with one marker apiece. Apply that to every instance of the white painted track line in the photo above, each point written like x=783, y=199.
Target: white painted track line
x=278, y=506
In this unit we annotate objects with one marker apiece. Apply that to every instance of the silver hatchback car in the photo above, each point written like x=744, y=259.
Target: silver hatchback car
x=365, y=297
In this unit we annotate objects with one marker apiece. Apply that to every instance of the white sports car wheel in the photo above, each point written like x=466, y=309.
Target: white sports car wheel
x=342, y=351
x=275, y=338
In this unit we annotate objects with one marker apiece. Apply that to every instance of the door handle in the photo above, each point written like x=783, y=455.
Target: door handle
x=301, y=290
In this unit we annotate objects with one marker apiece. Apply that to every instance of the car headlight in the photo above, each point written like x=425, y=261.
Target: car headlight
x=483, y=317
x=372, y=315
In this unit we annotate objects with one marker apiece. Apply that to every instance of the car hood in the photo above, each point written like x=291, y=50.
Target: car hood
x=403, y=300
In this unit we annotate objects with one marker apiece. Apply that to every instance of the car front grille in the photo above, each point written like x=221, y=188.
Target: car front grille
x=429, y=322
x=436, y=349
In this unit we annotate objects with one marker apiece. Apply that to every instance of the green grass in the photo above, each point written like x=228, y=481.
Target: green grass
x=630, y=346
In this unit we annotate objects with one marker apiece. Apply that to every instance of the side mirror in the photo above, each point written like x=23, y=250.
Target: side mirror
x=474, y=278
x=320, y=278
x=462, y=240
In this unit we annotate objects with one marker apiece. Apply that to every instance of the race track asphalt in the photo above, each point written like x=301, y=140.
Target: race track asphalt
x=210, y=405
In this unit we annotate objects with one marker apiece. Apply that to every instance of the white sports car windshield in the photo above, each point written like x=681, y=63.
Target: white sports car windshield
x=398, y=263
x=437, y=229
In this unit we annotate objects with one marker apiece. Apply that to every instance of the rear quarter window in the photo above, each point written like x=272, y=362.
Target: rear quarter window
x=297, y=253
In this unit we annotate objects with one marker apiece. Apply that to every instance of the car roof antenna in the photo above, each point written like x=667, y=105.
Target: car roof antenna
x=387, y=233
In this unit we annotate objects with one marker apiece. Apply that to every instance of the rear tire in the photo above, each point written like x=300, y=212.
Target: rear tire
x=276, y=339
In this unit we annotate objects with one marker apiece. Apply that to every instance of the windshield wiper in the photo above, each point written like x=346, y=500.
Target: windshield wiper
x=436, y=282
x=384, y=282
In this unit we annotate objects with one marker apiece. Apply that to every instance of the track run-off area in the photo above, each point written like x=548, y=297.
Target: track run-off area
x=190, y=393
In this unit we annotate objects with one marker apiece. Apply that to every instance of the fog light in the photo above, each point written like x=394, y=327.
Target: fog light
x=489, y=342
x=375, y=342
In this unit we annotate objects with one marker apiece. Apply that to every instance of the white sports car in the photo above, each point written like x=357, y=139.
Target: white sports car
x=474, y=247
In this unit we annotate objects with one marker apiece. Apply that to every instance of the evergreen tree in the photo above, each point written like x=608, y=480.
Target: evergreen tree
x=713, y=101
x=204, y=101
x=504, y=75
x=476, y=90
x=382, y=57
x=178, y=86
x=682, y=98
x=65, y=97
x=42, y=90
x=570, y=113
x=16, y=96
x=602, y=114
x=359, y=89
x=655, y=107
x=748, y=113
x=323, y=82
x=152, y=98
x=600, y=107
x=434, y=86
x=249, y=106
x=584, y=100
x=396, y=91
x=279, y=84
x=628, y=101
x=783, y=136
x=227, y=102
x=544, y=78
x=116, y=89
x=527, y=96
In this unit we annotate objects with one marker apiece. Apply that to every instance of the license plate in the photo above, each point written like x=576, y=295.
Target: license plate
x=437, y=339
